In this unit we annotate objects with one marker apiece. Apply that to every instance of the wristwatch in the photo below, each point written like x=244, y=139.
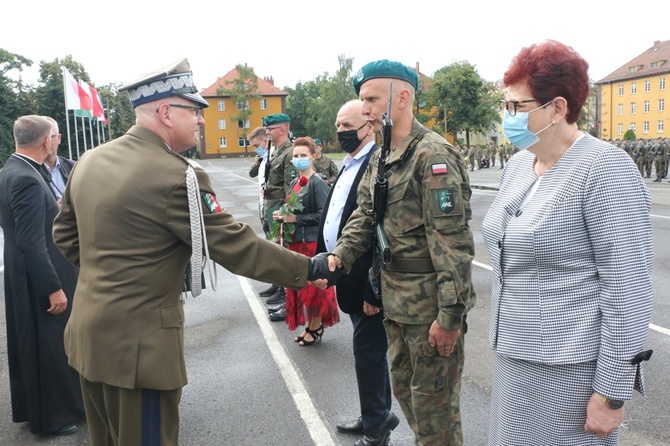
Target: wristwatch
x=612, y=404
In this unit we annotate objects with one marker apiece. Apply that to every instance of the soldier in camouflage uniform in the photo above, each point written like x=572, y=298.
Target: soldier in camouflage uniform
x=648, y=157
x=657, y=154
x=324, y=165
x=427, y=288
x=278, y=176
x=638, y=152
x=665, y=148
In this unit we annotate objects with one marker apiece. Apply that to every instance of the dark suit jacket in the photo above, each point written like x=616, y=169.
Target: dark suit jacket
x=353, y=288
x=65, y=167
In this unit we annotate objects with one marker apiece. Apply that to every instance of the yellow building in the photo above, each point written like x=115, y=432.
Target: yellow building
x=222, y=135
x=637, y=96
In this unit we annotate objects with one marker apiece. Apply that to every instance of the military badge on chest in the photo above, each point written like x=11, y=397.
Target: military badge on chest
x=212, y=204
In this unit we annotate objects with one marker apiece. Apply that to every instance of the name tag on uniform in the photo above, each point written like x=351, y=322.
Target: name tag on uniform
x=212, y=204
x=439, y=169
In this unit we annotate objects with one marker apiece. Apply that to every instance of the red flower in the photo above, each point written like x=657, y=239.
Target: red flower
x=302, y=182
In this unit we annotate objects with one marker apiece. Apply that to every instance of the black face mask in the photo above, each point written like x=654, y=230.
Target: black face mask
x=348, y=139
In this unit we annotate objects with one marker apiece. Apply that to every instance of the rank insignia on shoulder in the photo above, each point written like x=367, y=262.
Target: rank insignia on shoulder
x=439, y=169
x=212, y=204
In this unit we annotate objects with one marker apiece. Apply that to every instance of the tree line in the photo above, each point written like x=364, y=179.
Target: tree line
x=454, y=99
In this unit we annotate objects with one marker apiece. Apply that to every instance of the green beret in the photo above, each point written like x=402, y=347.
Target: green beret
x=277, y=118
x=317, y=141
x=385, y=69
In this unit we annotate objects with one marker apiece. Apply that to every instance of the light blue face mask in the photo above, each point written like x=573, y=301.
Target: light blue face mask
x=302, y=163
x=516, y=128
x=260, y=151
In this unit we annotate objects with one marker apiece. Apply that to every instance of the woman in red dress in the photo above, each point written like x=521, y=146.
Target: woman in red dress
x=310, y=306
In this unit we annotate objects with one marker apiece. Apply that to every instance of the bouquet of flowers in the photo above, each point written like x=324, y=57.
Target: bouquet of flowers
x=282, y=232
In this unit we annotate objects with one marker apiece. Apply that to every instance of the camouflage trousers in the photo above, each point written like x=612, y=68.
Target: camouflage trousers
x=427, y=385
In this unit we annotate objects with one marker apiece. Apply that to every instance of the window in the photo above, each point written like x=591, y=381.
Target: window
x=659, y=126
x=243, y=125
x=223, y=143
x=620, y=109
x=620, y=89
x=222, y=106
x=633, y=87
x=242, y=105
x=222, y=124
x=647, y=86
x=632, y=126
x=241, y=141
x=645, y=127
x=654, y=65
x=633, y=108
x=619, y=129
x=264, y=104
x=647, y=106
x=661, y=105
x=661, y=83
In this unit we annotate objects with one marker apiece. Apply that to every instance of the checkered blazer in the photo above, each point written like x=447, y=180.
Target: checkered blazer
x=572, y=268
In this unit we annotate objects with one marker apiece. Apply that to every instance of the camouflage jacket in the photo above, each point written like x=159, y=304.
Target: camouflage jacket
x=426, y=220
x=326, y=168
x=280, y=176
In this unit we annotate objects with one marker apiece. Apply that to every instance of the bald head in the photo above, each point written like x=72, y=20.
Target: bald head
x=352, y=127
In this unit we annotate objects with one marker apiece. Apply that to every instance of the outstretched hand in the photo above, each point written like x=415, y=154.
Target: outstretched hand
x=319, y=268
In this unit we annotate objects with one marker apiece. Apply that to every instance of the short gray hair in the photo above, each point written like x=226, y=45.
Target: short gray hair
x=30, y=130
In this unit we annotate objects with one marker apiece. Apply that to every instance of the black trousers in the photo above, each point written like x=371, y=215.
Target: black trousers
x=372, y=372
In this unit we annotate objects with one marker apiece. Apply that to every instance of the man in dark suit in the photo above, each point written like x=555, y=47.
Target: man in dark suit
x=39, y=287
x=354, y=292
x=133, y=214
x=56, y=169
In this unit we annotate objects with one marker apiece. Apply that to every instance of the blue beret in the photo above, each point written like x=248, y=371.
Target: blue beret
x=277, y=118
x=173, y=80
x=385, y=69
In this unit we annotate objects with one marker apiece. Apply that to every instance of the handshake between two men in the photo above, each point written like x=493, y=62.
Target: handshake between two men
x=324, y=270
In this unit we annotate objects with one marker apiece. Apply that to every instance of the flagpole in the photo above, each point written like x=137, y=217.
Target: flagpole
x=83, y=128
x=76, y=131
x=90, y=130
x=67, y=117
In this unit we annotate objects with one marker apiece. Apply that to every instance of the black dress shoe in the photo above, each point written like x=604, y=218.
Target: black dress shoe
x=269, y=291
x=278, y=297
x=351, y=426
x=275, y=308
x=68, y=429
x=278, y=315
x=381, y=436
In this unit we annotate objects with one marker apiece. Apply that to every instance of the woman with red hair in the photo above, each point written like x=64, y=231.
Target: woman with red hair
x=569, y=235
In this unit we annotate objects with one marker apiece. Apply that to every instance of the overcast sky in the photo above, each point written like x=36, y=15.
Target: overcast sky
x=297, y=40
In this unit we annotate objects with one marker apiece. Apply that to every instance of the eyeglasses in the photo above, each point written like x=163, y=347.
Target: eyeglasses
x=54, y=136
x=269, y=129
x=512, y=106
x=197, y=111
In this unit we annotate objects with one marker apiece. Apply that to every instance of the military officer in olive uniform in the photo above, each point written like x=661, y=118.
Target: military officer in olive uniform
x=426, y=288
x=130, y=220
x=324, y=165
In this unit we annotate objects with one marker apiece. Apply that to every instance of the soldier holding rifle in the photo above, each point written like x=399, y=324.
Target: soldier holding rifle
x=424, y=270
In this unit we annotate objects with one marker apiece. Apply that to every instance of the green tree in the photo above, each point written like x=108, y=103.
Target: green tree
x=334, y=91
x=241, y=89
x=16, y=99
x=298, y=103
x=464, y=100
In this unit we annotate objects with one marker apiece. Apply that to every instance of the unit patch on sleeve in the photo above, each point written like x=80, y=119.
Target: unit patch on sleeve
x=212, y=204
x=445, y=200
x=439, y=169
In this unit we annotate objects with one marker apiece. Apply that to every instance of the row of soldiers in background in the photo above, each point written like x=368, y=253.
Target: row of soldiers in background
x=648, y=154
x=485, y=156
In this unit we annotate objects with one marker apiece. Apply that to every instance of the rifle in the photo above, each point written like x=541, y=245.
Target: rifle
x=382, y=252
